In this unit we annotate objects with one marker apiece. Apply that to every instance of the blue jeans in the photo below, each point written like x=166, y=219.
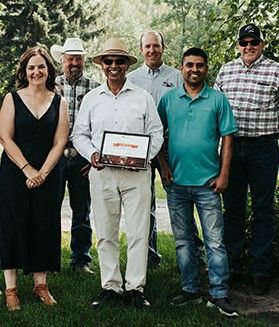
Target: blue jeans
x=154, y=257
x=78, y=186
x=181, y=200
x=254, y=164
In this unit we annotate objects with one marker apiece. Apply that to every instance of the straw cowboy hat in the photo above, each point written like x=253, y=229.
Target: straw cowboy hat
x=114, y=47
x=72, y=46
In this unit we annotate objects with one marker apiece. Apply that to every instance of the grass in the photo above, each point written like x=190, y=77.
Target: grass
x=74, y=293
x=160, y=192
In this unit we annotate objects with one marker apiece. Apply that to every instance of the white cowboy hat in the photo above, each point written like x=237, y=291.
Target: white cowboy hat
x=72, y=46
x=114, y=47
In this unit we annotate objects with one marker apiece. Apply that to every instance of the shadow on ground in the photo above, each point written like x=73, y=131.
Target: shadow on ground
x=254, y=306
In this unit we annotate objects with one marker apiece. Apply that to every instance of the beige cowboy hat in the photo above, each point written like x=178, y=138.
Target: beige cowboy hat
x=114, y=47
x=72, y=46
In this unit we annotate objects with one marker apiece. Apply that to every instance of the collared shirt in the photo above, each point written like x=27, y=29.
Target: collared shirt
x=74, y=94
x=253, y=93
x=132, y=110
x=158, y=82
x=195, y=127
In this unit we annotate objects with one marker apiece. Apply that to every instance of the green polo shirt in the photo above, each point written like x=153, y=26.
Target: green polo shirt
x=194, y=130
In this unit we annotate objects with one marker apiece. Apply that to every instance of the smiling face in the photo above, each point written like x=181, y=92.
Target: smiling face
x=36, y=70
x=72, y=66
x=152, y=50
x=250, y=53
x=115, y=68
x=194, y=70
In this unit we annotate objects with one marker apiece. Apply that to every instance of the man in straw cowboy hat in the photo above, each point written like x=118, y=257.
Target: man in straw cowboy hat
x=73, y=85
x=119, y=106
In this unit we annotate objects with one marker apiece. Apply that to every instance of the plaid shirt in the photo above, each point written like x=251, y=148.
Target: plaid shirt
x=253, y=93
x=74, y=94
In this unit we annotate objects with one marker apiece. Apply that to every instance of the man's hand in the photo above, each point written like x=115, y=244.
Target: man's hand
x=219, y=184
x=166, y=175
x=95, y=161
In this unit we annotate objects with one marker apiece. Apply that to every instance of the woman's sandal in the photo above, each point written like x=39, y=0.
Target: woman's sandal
x=42, y=292
x=12, y=301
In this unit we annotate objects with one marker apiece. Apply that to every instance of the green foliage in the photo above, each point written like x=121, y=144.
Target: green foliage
x=185, y=24
x=209, y=24
x=213, y=25
x=74, y=293
x=160, y=192
x=232, y=14
x=41, y=22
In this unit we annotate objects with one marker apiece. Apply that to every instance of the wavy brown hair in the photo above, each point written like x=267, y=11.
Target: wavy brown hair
x=21, y=79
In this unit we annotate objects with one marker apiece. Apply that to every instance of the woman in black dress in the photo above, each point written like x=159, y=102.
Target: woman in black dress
x=33, y=132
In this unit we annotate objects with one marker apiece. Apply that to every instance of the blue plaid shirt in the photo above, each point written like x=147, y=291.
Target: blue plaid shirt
x=74, y=94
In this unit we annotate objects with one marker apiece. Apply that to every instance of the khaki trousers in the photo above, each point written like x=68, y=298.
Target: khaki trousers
x=114, y=189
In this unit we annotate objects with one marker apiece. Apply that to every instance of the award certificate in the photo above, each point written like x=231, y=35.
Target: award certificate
x=125, y=150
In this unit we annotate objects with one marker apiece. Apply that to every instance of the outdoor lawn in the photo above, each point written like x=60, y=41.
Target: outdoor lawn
x=74, y=293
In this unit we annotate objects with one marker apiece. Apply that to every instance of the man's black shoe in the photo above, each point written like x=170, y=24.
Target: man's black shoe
x=137, y=299
x=186, y=297
x=106, y=296
x=223, y=306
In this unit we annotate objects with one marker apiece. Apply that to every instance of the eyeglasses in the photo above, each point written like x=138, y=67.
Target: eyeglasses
x=244, y=43
x=119, y=61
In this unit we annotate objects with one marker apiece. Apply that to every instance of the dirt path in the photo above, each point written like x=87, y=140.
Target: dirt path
x=257, y=307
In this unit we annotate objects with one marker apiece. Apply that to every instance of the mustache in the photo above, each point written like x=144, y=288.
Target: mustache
x=74, y=66
x=195, y=73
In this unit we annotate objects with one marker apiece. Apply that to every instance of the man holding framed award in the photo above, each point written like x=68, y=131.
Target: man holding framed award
x=119, y=130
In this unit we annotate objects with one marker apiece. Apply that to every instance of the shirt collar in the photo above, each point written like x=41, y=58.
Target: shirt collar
x=127, y=86
x=254, y=64
x=204, y=93
x=148, y=70
x=76, y=81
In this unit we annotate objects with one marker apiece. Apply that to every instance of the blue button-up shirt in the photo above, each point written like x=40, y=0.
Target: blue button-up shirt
x=156, y=82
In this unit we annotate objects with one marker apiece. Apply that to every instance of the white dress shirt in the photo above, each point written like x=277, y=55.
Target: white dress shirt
x=132, y=110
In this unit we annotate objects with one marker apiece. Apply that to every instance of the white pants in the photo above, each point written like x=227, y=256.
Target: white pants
x=112, y=188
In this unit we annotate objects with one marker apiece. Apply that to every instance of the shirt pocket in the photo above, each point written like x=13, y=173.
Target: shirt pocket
x=265, y=96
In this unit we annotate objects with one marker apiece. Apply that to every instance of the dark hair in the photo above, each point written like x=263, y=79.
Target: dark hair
x=156, y=33
x=194, y=52
x=23, y=61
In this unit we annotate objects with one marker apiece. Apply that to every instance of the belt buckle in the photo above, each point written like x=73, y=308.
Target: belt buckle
x=70, y=153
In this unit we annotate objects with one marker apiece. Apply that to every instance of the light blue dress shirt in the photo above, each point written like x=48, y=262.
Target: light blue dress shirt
x=158, y=82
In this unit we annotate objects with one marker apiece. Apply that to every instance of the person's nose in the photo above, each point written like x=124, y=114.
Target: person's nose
x=113, y=64
x=249, y=46
x=75, y=62
x=195, y=68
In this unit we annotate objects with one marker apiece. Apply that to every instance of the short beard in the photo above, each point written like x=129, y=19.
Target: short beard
x=75, y=75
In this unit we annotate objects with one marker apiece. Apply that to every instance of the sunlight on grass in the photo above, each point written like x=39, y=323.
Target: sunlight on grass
x=75, y=292
x=160, y=192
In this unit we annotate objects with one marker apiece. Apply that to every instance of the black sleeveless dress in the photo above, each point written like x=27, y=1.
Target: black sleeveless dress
x=30, y=219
